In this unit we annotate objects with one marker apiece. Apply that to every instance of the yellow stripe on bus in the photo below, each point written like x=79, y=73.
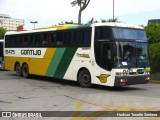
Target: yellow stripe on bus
x=40, y=65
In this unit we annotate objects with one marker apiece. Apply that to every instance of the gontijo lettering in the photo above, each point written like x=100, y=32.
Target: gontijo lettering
x=30, y=52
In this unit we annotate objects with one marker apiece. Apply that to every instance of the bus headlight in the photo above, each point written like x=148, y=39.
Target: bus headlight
x=123, y=82
x=147, y=78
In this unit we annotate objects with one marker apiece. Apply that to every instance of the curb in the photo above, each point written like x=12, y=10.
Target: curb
x=154, y=81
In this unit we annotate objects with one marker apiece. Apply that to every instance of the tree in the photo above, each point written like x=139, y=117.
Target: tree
x=92, y=21
x=2, y=32
x=153, y=33
x=154, y=57
x=67, y=22
x=109, y=20
x=82, y=5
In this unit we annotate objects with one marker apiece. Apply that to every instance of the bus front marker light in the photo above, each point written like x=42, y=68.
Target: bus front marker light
x=148, y=69
x=147, y=78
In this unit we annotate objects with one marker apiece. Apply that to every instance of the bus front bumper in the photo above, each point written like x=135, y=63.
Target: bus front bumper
x=131, y=80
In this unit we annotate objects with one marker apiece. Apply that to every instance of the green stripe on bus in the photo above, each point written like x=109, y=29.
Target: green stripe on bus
x=55, y=61
x=65, y=62
x=79, y=26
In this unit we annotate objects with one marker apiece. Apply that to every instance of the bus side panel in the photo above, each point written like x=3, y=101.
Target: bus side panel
x=37, y=66
x=60, y=62
x=9, y=63
x=84, y=59
x=81, y=59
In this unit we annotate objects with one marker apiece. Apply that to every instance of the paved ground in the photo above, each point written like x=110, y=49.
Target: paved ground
x=47, y=94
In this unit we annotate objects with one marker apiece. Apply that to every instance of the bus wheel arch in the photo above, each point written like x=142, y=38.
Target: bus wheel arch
x=25, y=70
x=84, y=77
x=17, y=68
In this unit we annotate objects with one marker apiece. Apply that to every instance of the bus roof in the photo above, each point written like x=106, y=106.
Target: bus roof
x=49, y=28
x=56, y=26
x=29, y=31
x=117, y=25
x=73, y=26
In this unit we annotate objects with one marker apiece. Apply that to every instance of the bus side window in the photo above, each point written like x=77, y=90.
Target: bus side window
x=77, y=37
x=13, y=39
x=50, y=39
x=86, y=37
x=67, y=38
x=102, y=33
x=59, y=38
x=16, y=42
x=26, y=40
x=44, y=39
x=32, y=40
x=9, y=40
x=29, y=41
x=41, y=40
x=21, y=40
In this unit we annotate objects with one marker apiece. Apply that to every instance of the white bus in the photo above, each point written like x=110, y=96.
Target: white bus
x=1, y=54
x=110, y=54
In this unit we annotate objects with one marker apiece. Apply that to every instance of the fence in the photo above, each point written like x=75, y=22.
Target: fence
x=155, y=76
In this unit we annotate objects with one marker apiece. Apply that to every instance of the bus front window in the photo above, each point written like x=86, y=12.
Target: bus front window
x=130, y=54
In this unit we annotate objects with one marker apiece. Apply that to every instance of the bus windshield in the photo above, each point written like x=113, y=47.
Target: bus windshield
x=130, y=54
x=127, y=33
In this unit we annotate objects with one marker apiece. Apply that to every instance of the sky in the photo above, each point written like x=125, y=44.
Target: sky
x=53, y=12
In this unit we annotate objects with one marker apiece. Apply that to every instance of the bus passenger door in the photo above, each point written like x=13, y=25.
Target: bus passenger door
x=106, y=55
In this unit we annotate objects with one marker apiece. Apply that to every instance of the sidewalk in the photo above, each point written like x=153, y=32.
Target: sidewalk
x=154, y=81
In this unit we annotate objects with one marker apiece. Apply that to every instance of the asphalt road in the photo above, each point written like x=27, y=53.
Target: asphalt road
x=48, y=94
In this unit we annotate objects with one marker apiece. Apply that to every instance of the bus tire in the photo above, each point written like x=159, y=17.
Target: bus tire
x=18, y=69
x=25, y=71
x=84, y=78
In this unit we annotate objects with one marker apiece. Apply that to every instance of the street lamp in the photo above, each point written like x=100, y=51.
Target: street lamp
x=113, y=10
x=33, y=22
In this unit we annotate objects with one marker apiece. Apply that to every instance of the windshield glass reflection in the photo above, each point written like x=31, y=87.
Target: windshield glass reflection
x=130, y=54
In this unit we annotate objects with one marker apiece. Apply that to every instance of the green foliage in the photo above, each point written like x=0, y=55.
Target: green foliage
x=2, y=32
x=110, y=20
x=153, y=33
x=67, y=22
x=154, y=56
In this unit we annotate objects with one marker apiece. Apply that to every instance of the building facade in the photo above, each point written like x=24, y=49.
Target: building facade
x=10, y=23
x=155, y=21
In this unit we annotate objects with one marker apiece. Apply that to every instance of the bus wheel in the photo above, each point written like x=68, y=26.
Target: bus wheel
x=18, y=69
x=84, y=78
x=25, y=71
